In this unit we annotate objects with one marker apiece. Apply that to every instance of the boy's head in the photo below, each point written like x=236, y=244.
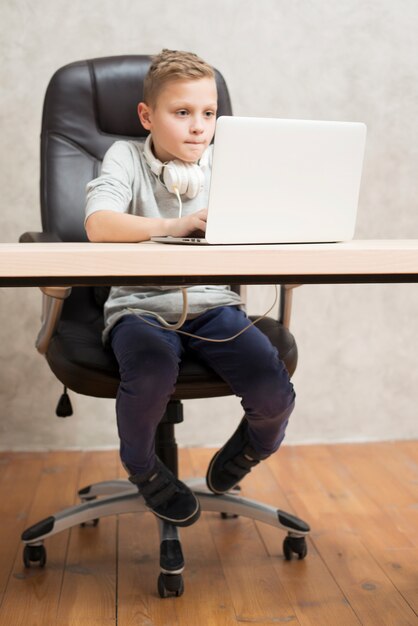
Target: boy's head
x=171, y=65
x=179, y=107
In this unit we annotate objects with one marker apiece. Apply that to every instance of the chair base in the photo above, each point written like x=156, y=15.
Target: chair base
x=116, y=497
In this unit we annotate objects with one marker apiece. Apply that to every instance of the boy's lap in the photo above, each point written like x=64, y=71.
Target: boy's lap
x=131, y=333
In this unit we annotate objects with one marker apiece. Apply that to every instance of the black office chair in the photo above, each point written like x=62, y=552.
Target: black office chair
x=89, y=105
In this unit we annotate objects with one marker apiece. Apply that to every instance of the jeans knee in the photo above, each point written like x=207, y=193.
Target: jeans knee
x=276, y=401
x=271, y=394
x=144, y=373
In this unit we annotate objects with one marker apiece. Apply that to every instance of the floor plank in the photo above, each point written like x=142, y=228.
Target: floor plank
x=306, y=582
x=88, y=592
x=19, y=476
x=33, y=596
x=339, y=518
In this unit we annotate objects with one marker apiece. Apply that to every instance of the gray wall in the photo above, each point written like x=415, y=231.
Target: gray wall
x=352, y=60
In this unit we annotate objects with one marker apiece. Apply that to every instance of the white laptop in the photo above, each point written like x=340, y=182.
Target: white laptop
x=282, y=181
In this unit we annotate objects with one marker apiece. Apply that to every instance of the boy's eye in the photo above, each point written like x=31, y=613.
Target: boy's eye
x=182, y=112
x=209, y=113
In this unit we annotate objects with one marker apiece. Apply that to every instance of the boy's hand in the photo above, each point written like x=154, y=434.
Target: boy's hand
x=183, y=226
x=105, y=225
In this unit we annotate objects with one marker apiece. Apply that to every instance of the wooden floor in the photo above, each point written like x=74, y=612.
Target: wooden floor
x=362, y=565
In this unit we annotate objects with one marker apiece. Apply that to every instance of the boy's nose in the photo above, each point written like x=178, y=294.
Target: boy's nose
x=196, y=127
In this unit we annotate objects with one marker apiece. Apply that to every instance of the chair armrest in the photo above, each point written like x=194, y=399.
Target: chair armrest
x=52, y=303
x=285, y=310
x=34, y=237
x=53, y=297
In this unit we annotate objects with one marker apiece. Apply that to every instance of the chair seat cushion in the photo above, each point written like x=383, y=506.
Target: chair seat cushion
x=79, y=360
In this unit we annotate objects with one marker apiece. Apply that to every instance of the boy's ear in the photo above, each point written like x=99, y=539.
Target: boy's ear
x=144, y=115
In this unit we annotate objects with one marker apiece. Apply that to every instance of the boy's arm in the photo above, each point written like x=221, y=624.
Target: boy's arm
x=111, y=226
x=108, y=197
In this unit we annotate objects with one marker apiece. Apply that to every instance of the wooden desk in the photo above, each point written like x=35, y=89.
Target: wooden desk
x=42, y=264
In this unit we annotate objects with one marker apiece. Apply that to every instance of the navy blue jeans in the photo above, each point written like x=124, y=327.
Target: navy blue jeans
x=149, y=360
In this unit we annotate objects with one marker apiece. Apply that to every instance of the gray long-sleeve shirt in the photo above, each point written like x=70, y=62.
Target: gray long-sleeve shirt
x=127, y=185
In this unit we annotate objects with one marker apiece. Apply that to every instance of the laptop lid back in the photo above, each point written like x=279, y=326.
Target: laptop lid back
x=284, y=181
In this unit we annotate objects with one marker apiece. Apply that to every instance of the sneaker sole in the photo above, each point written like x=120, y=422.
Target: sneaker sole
x=208, y=477
x=187, y=521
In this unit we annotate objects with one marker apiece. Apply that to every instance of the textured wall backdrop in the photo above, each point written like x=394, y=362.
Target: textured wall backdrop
x=351, y=60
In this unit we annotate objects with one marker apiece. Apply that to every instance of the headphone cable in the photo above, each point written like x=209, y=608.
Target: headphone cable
x=176, y=326
x=176, y=191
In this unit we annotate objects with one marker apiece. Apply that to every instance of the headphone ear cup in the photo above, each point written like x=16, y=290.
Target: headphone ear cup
x=155, y=165
x=170, y=177
x=183, y=174
x=175, y=177
x=196, y=181
x=187, y=178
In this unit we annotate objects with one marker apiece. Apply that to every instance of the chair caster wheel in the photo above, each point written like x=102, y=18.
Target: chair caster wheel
x=170, y=585
x=234, y=491
x=34, y=554
x=294, y=545
x=92, y=522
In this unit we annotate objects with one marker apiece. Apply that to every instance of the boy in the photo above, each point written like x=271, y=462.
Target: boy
x=137, y=196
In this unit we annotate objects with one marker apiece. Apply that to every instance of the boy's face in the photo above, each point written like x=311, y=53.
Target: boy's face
x=182, y=121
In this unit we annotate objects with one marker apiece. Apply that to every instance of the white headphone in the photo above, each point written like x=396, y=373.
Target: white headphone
x=177, y=176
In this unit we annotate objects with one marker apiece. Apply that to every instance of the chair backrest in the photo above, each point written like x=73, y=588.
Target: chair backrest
x=89, y=105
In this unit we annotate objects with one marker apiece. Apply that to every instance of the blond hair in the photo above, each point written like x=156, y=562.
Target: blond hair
x=171, y=65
